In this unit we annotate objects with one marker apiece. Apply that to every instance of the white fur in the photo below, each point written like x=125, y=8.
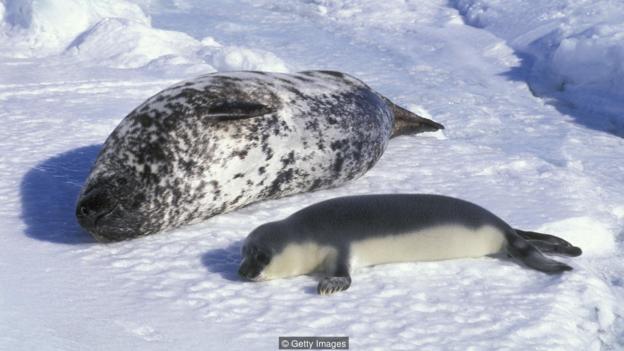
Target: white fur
x=298, y=259
x=430, y=244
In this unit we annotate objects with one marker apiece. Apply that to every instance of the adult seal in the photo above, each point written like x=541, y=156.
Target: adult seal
x=336, y=236
x=225, y=140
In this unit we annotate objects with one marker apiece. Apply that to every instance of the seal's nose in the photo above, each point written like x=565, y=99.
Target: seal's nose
x=92, y=207
x=244, y=270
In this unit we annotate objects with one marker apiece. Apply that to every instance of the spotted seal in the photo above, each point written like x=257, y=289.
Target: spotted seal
x=338, y=235
x=224, y=140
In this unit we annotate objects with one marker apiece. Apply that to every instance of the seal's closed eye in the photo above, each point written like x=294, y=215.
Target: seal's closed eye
x=235, y=110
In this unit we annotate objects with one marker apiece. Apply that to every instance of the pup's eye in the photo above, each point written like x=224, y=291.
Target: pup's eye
x=262, y=258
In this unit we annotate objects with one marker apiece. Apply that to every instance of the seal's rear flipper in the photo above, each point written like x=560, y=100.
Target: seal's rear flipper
x=550, y=248
x=526, y=253
x=550, y=243
x=406, y=122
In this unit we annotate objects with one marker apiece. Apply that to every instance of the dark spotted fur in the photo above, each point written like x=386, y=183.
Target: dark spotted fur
x=224, y=140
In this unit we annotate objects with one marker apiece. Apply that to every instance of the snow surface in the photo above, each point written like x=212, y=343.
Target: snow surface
x=574, y=51
x=70, y=70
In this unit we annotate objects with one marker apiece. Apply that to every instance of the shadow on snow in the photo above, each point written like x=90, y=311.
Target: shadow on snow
x=541, y=86
x=224, y=261
x=49, y=192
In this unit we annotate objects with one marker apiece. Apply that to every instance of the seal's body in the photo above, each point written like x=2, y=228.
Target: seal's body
x=335, y=236
x=225, y=140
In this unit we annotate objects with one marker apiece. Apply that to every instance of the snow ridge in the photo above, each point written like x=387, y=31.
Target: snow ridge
x=117, y=34
x=574, y=49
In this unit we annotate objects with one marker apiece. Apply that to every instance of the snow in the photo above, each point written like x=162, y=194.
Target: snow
x=40, y=27
x=71, y=70
x=577, y=49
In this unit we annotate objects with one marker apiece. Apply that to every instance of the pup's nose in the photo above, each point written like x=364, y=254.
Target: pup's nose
x=242, y=273
x=246, y=272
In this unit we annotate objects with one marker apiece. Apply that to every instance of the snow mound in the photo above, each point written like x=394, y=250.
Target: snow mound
x=577, y=48
x=42, y=27
x=592, y=236
x=123, y=43
x=239, y=58
x=117, y=34
x=591, y=62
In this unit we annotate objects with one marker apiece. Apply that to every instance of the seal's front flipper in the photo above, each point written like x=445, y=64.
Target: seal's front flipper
x=331, y=285
x=341, y=280
x=406, y=122
x=526, y=253
x=550, y=243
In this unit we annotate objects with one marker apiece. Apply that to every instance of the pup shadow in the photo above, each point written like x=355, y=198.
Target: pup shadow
x=224, y=261
x=49, y=192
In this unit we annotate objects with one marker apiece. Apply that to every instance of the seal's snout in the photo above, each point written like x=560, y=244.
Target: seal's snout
x=248, y=271
x=92, y=207
x=242, y=273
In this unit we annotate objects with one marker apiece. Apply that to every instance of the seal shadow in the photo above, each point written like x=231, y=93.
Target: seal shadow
x=49, y=192
x=224, y=261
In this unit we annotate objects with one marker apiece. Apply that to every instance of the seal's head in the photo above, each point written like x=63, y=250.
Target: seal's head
x=153, y=172
x=258, y=253
x=167, y=163
x=255, y=260
x=134, y=186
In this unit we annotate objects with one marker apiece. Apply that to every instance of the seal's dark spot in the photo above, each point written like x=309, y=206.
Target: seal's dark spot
x=187, y=166
x=303, y=79
x=154, y=152
x=170, y=121
x=338, y=163
x=145, y=120
x=338, y=144
x=240, y=154
x=288, y=159
x=282, y=178
x=296, y=91
x=316, y=184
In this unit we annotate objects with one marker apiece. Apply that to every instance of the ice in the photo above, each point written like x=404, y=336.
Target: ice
x=117, y=34
x=41, y=27
x=121, y=43
x=239, y=58
x=573, y=50
x=531, y=97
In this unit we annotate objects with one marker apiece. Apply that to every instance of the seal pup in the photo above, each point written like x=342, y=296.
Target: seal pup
x=334, y=237
x=225, y=140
